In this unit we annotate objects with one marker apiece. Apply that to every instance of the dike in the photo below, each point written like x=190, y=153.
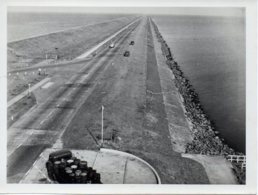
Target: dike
x=206, y=139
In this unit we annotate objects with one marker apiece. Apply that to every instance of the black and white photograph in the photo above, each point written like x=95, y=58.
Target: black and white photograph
x=129, y=95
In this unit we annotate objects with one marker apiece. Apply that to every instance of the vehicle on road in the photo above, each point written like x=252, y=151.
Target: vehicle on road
x=127, y=54
x=132, y=43
x=112, y=45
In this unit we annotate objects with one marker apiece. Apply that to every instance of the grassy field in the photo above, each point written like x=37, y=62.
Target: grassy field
x=66, y=44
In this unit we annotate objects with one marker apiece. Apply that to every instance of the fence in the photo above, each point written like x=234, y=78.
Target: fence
x=238, y=159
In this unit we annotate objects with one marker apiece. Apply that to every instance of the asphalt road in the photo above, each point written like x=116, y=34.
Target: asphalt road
x=68, y=116
x=41, y=126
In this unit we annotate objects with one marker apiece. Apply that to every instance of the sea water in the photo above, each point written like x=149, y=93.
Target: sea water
x=211, y=53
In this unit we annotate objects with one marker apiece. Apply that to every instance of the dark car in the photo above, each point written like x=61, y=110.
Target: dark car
x=132, y=43
x=127, y=54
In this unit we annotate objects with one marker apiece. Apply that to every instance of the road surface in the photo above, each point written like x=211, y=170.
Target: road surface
x=40, y=127
x=135, y=121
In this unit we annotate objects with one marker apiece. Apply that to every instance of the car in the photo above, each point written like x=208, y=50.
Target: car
x=112, y=45
x=132, y=43
x=127, y=54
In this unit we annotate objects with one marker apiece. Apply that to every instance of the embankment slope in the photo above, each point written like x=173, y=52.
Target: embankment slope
x=66, y=44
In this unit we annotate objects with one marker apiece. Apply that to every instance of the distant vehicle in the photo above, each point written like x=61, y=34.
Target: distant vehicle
x=112, y=45
x=132, y=43
x=127, y=54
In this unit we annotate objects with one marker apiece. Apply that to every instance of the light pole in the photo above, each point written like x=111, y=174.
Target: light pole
x=102, y=125
x=29, y=89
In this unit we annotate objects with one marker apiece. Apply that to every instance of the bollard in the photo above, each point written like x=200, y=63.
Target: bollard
x=72, y=177
x=62, y=167
x=56, y=169
x=77, y=162
x=69, y=162
x=50, y=170
x=83, y=165
x=74, y=168
x=67, y=178
x=83, y=177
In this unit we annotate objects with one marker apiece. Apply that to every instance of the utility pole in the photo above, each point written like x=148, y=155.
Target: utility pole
x=102, y=125
x=29, y=89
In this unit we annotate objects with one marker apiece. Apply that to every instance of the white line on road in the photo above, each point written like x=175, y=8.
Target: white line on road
x=87, y=53
x=47, y=117
x=47, y=85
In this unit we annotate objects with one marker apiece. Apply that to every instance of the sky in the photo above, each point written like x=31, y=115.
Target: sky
x=207, y=11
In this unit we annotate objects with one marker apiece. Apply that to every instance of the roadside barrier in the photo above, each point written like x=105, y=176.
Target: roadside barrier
x=239, y=159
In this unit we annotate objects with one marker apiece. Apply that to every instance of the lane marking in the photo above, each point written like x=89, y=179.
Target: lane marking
x=89, y=52
x=47, y=117
x=47, y=85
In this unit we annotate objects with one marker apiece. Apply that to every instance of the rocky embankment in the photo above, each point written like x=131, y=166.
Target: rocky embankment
x=206, y=140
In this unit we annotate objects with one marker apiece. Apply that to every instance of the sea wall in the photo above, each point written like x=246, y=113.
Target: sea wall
x=206, y=138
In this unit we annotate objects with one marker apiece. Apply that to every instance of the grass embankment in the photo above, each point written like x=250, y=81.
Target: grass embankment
x=18, y=109
x=70, y=44
x=66, y=44
x=206, y=140
x=17, y=84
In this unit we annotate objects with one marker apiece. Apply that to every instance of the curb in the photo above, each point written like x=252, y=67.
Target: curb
x=131, y=155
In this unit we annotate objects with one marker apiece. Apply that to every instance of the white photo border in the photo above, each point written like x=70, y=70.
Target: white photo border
x=251, y=103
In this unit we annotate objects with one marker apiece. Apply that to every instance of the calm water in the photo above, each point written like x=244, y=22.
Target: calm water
x=25, y=25
x=211, y=52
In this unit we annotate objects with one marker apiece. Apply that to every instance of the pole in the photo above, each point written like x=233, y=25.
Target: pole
x=29, y=89
x=102, y=124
